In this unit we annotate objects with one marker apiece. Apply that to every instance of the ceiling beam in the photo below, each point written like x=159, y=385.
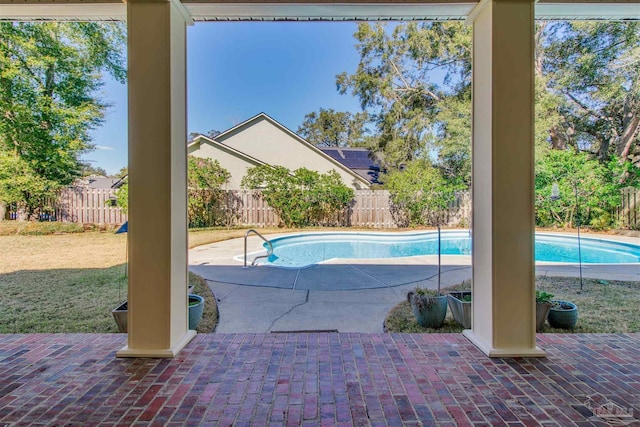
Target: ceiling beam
x=250, y=10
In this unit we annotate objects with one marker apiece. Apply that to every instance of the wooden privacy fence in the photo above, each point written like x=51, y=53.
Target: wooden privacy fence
x=83, y=206
x=370, y=208
x=629, y=211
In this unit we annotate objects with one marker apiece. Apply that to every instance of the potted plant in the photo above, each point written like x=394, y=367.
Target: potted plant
x=196, y=307
x=460, y=304
x=563, y=314
x=543, y=305
x=428, y=306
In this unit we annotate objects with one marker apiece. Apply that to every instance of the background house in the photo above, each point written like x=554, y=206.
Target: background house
x=96, y=182
x=359, y=160
x=262, y=140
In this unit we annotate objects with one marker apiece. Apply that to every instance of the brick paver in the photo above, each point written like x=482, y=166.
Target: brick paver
x=316, y=379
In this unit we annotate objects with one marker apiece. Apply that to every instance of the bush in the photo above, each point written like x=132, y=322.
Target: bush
x=205, y=179
x=589, y=189
x=303, y=197
x=419, y=194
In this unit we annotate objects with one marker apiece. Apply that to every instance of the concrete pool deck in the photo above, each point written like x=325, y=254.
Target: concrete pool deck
x=343, y=295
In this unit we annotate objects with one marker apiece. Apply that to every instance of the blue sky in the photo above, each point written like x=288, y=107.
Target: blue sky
x=237, y=70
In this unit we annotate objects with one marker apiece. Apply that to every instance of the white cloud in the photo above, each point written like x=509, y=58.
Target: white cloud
x=104, y=147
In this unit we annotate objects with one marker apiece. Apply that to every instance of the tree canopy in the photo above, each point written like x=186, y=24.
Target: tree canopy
x=588, y=77
x=414, y=80
x=50, y=73
x=329, y=128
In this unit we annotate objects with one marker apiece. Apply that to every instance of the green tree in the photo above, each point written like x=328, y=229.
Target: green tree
x=122, y=197
x=588, y=76
x=419, y=194
x=329, y=128
x=205, y=182
x=211, y=134
x=88, y=170
x=589, y=191
x=124, y=171
x=50, y=73
x=303, y=197
x=19, y=183
x=414, y=80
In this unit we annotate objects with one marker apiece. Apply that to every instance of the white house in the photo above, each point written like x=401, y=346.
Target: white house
x=262, y=140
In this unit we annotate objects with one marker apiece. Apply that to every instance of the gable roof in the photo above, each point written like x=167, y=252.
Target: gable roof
x=295, y=136
x=198, y=140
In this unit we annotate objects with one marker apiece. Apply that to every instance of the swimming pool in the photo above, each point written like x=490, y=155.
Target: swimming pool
x=313, y=248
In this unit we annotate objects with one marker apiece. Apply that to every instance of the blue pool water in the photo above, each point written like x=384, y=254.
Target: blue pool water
x=308, y=249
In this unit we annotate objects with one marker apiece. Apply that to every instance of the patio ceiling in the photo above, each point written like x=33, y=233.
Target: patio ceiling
x=202, y=10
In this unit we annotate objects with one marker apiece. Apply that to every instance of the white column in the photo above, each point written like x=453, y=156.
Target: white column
x=503, y=321
x=157, y=235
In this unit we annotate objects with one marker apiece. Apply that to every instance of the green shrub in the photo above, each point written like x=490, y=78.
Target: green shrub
x=589, y=189
x=205, y=206
x=303, y=197
x=206, y=197
x=419, y=194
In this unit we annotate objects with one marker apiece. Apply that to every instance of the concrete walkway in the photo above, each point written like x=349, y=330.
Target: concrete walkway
x=344, y=295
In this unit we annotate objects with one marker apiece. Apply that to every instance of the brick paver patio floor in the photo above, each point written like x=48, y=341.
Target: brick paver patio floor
x=317, y=379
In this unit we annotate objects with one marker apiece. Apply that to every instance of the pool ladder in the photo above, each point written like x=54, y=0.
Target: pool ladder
x=269, y=252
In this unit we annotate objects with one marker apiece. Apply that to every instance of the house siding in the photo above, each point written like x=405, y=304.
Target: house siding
x=237, y=166
x=263, y=140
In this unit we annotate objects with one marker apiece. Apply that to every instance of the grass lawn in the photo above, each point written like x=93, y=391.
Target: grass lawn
x=603, y=307
x=70, y=281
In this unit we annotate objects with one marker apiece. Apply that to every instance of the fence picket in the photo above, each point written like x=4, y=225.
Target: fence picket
x=370, y=208
x=629, y=212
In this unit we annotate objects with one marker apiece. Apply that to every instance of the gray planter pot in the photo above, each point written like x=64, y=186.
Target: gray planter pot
x=563, y=315
x=460, y=308
x=542, y=311
x=120, y=314
x=196, y=307
x=429, y=314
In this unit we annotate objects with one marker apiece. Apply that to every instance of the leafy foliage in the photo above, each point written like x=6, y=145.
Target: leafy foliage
x=414, y=80
x=542, y=296
x=122, y=197
x=303, y=197
x=89, y=170
x=419, y=194
x=589, y=73
x=20, y=184
x=416, y=111
x=49, y=76
x=329, y=128
x=205, y=181
x=589, y=190
x=423, y=298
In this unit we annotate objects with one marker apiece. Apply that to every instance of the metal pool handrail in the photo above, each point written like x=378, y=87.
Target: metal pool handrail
x=269, y=252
